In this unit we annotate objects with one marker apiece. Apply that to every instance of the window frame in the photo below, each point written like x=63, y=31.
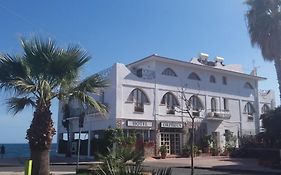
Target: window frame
x=212, y=79
x=170, y=101
x=169, y=72
x=139, y=98
x=194, y=76
x=263, y=110
x=249, y=110
x=196, y=103
x=224, y=80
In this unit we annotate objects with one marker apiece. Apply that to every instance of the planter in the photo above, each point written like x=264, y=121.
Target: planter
x=163, y=151
x=163, y=155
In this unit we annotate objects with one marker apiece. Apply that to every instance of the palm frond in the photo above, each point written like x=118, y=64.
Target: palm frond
x=71, y=60
x=39, y=53
x=25, y=85
x=13, y=71
x=162, y=171
x=16, y=105
x=264, y=23
x=74, y=52
x=92, y=84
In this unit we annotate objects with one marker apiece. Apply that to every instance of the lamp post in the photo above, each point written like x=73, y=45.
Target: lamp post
x=81, y=124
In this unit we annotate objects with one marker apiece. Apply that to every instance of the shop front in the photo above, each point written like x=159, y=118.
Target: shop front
x=143, y=128
x=170, y=135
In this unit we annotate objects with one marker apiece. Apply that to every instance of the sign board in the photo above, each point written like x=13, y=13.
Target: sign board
x=171, y=125
x=139, y=123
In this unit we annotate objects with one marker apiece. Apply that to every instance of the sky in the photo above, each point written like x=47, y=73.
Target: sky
x=127, y=30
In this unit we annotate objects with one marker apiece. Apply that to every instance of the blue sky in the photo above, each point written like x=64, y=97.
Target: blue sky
x=127, y=30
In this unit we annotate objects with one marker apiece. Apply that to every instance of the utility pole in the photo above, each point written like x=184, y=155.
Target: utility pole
x=81, y=124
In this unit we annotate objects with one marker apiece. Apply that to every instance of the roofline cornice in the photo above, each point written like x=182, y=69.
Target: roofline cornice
x=185, y=63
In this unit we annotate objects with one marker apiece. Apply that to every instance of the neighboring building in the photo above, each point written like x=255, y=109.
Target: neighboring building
x=146, y=97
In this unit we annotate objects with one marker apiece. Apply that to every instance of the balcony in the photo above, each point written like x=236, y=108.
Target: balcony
x=218, y=115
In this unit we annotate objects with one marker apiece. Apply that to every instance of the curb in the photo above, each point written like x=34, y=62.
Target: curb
x=233, y=170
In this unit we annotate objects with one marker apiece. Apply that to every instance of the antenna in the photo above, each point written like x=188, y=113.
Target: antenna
x=255, y=68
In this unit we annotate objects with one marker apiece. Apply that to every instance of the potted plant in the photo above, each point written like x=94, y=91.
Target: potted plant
x=163, y=151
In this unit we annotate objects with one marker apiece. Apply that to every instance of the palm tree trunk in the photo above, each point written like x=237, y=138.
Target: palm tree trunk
x=277, y=64
x=40, y=162
x=40, y=135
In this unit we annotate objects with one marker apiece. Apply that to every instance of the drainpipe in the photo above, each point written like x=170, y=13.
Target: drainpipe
x=154, y=114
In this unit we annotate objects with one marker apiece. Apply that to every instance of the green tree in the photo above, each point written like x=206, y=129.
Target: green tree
x=41, y=73
x=272, y=122
x=192, y=112
x=264, y=26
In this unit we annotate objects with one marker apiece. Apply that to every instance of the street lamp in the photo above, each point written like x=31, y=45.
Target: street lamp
x=81, y=124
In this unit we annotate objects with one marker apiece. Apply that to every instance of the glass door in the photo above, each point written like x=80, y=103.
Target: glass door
x=165, y=140
x=172, y=142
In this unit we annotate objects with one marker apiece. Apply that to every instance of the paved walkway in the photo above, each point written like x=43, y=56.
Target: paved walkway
x=214, y=163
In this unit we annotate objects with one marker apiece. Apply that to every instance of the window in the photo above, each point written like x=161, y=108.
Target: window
x=169, y=72
x=170, y=101
x=224, y=80
x=195, y=103
x=213, y=105
x=249, y=109
x=139, y=73
x=139, y=98
x=212, y=79
x=225, y=104
x=248, y=85
x=265, y=108
x=194, y=76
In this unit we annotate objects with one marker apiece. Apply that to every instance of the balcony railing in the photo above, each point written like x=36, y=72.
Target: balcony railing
x=218, y=114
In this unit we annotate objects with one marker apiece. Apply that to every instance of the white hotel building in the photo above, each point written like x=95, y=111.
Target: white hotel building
x=142, y=98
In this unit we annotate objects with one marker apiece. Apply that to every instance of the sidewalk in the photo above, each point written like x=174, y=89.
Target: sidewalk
x=213, y=163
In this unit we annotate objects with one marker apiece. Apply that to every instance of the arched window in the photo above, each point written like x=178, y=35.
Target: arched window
x=265, y=108
x=170, y=101
x=213, y=105
x=248, y=85
x=249, y=109
x=193, y=76
x=195, y=103
x=139, y=98
x=169, y=72
x=212, y=79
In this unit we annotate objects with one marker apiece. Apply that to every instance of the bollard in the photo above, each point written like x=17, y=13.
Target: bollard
x=28, y=167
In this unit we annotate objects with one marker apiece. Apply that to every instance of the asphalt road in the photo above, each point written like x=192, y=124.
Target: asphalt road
x=175, y=171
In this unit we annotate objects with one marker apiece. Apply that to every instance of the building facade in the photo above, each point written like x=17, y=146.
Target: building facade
x=149, y=96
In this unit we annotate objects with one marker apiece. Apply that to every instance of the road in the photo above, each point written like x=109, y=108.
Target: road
x=63, y=169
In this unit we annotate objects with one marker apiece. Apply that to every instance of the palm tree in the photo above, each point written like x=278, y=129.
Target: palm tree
x=264, y=26
x=41, y=73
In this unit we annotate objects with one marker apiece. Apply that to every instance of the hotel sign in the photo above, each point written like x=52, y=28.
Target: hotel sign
x=171, y=125
x=139, y=123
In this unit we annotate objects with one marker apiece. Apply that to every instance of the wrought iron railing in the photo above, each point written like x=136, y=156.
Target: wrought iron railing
x=218, y=114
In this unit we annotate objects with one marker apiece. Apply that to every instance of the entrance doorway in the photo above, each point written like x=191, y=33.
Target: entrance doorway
x=172, y=142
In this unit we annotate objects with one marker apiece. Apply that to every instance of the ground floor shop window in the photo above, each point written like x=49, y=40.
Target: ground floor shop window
x=148, y=135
